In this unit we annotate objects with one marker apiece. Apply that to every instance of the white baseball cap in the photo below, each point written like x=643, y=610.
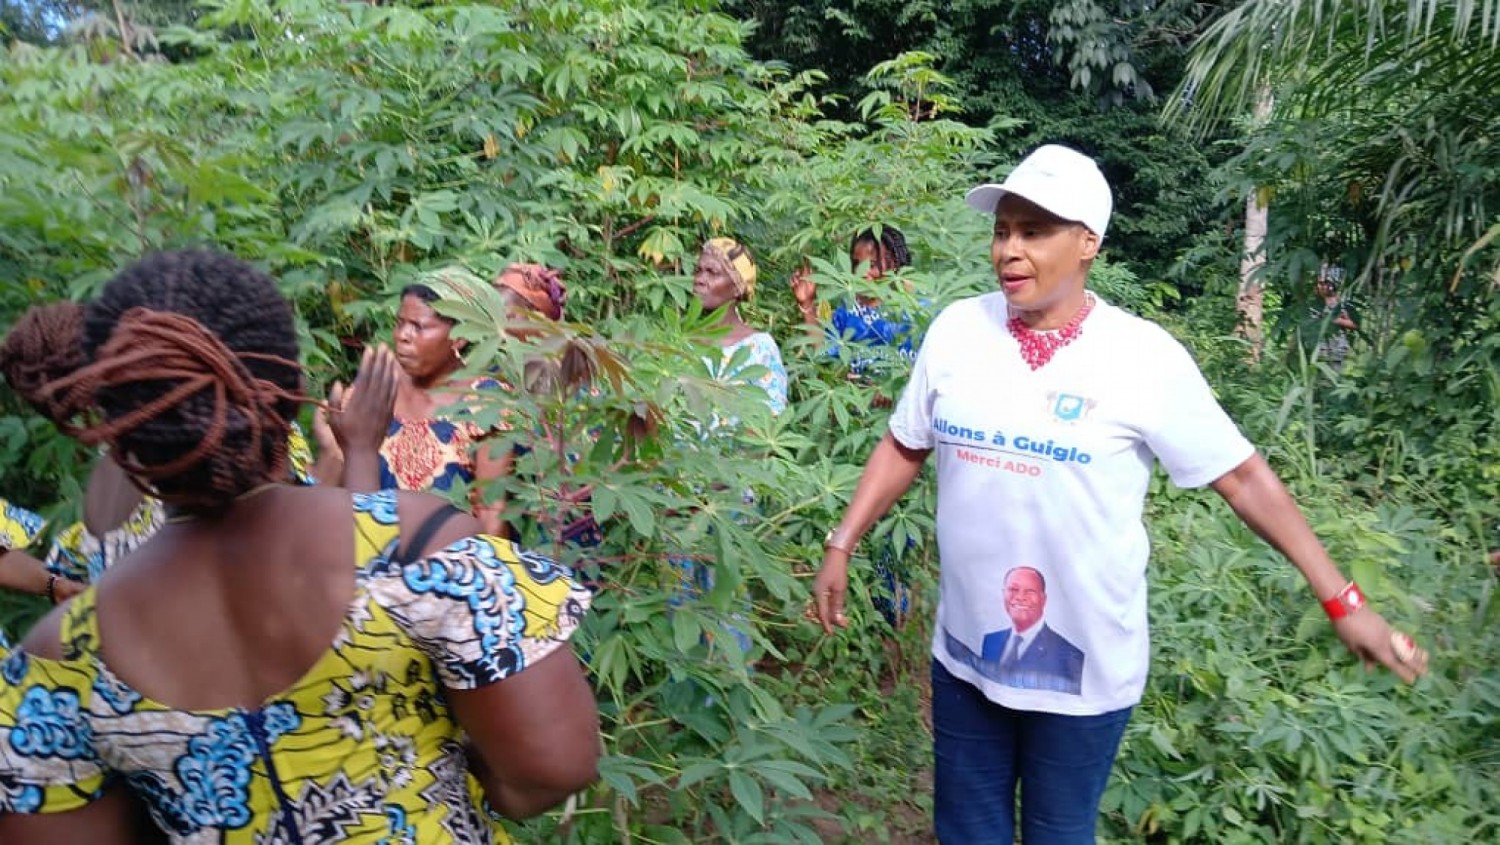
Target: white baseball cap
x=1059, y=179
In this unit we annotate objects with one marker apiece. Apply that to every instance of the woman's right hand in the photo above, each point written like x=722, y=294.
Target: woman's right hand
x=64, y=588
x=803, y=289
x=358, y=417
x=323, y=436
x=829, y=588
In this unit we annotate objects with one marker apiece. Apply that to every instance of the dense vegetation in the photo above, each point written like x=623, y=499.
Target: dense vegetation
x=346, y=147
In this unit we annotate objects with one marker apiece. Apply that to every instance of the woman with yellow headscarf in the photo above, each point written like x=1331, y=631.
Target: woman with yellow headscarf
x=726, y=277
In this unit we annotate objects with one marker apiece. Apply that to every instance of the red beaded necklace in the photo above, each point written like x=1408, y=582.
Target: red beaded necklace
x=1037, y=348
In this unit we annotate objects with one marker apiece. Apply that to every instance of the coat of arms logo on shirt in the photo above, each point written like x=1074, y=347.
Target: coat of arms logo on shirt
x=1070, y=407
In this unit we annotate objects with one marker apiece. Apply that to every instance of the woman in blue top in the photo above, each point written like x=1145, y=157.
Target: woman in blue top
x=874, y=336
x=872, y=332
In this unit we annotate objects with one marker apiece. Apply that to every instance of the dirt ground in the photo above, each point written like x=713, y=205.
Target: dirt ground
x=909, y=824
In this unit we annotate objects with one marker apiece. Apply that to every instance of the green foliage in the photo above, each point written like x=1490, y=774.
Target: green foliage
x=347, y=147
x=1322, y=47
x=1248, y=735
x=1394, y=187
x=1082, y=73
x=1256, y=726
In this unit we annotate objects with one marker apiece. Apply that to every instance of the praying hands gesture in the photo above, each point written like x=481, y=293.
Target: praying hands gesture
x=351, y=426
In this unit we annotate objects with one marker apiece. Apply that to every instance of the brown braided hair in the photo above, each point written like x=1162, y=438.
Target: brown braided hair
x=193, y=377
x=46, y=344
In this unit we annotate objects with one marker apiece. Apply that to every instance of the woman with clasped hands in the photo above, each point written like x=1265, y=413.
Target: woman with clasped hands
x=280, y=663
x=1046, y=407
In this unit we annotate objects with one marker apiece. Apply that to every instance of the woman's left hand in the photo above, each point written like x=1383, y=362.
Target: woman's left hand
x=359, y=416
x=1370, y=637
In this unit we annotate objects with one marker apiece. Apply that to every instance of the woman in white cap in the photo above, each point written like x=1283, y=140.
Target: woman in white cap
x=1046, y=407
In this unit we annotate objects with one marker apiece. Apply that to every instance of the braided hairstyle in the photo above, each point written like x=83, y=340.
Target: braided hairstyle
x=891, y=242
x=46, y=344
x=192, y=377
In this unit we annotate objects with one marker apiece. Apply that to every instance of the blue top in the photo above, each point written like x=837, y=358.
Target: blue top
x=873, y=333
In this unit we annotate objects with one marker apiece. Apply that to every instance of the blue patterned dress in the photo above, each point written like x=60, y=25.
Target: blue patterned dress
x=19, y=528
x=873, y=337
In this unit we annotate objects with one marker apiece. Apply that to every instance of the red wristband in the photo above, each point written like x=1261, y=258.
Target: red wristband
x=1344, y=602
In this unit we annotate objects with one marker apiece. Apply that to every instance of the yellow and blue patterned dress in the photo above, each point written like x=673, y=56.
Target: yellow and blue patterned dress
x=362, y=749
x=19, y=528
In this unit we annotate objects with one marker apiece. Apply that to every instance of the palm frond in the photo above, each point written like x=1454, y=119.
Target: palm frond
x=1264, y=42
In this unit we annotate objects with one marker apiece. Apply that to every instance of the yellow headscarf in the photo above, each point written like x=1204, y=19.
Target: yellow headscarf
x=734, y=254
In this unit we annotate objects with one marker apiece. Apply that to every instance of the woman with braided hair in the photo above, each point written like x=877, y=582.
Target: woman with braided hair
x=871, y=332
x=872, y=336
x=279, y=663
x=45, y=345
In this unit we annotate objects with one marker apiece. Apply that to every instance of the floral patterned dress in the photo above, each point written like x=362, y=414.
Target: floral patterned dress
x=361, y=749
x=434, y=453
x=760, y=351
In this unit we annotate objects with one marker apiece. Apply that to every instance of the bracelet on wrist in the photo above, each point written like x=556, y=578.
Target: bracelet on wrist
x=1350, y=599
x=51, y=592
x=835, y=539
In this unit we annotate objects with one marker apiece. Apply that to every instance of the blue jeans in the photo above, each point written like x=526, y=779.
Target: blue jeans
x=983, y=751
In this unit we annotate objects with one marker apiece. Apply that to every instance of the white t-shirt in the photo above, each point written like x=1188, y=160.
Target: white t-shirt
x=1048, y=469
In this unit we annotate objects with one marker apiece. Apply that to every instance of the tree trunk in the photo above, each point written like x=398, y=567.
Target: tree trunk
x=1250, y=300
x=124, y=27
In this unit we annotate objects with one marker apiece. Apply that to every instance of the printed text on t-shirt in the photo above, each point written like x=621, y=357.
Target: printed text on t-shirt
x=1022, y=445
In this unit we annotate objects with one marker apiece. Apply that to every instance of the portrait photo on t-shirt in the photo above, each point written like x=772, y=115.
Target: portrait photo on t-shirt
x=1027, y=652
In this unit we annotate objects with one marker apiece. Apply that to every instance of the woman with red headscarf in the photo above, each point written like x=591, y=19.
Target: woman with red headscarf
x=532, y=288
x=536, y=291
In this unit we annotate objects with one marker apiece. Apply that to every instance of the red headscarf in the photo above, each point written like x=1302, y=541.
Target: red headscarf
x=541, y=287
